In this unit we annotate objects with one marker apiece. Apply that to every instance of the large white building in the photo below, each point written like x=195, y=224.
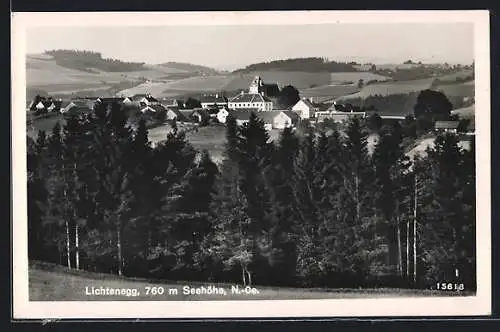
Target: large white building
x=257, y=97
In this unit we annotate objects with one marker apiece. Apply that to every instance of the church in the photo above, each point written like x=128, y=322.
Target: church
x=258, y=98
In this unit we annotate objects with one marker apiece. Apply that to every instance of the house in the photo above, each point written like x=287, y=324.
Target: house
x=306, y=108
x=172, y=103
x=446, y=126
x=216, y=101
x=174, y=114
x=200, y=115
x=110, y=100
x=76, y=106
x=152, y=108
x=286, y=119
x=222, y=115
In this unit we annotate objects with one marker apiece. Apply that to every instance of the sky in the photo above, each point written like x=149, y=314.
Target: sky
x=231, y=47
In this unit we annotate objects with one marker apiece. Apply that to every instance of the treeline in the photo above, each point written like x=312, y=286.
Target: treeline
x=86, y=60
x=310, y=210
x=415, y=73
x=301, y=64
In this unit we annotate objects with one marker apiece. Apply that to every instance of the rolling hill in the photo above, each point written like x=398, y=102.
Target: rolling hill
x=46, y=73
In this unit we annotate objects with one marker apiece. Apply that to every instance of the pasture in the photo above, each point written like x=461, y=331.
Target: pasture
x=49, y=282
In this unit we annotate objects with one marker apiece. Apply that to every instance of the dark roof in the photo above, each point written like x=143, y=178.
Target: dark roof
x=249, y=109
x=201, y=111
x=179, y=114
x=213, y=99
x=446, y=124
x=292, y=115
x=140, y=96
x=271, y=90
x=268, y=116
x=249, y=98
x=110, y=99
x=241, y=114
x=156, y=108
x=307, y=102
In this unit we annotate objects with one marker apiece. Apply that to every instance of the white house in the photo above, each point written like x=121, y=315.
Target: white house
x=222, y=115
x=141, y=99
x=305, y=108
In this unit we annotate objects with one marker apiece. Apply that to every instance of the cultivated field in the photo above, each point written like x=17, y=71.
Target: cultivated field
x=211, y=138
x=452, y=77
x=330, y=91
x=44, y=73
x=355, y=77
x=391, y=88
x=457, y=90
x=48, y=282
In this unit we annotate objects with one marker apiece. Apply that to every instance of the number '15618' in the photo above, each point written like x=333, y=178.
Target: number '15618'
x=449, y=286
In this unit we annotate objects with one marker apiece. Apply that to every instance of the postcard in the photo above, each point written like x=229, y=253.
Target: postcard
x=298, y=164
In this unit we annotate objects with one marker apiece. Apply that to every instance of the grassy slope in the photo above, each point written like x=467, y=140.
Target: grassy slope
x=48, y=282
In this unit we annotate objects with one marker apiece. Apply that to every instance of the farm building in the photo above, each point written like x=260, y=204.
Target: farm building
x=216, y=101
x=446, y=126
x=176, y=114
x=172, y=103
x=306, y=108
x=286, y=119
x=199, y=115
x=77, y=106
x=242, y=116
x=338, y=116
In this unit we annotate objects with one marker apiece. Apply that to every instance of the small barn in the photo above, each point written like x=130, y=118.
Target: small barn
x=446, y=126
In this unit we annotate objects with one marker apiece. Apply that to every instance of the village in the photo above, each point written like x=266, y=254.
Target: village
x=261, y=98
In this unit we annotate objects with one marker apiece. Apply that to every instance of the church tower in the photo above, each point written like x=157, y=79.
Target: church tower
x=256, y=85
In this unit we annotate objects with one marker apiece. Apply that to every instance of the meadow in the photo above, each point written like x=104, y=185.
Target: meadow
x=49, y=282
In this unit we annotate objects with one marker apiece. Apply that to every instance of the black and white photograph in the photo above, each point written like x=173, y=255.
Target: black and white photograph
x=251, y=164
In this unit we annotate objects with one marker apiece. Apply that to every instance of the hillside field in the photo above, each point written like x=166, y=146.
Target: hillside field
x=390, y=88
x=49, y=282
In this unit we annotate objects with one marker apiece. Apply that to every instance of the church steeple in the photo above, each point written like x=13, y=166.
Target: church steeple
x=256, y=85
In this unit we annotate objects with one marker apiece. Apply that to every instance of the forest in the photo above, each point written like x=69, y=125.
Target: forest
x=84, y=60
x=300, y=64
x=310, y=210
